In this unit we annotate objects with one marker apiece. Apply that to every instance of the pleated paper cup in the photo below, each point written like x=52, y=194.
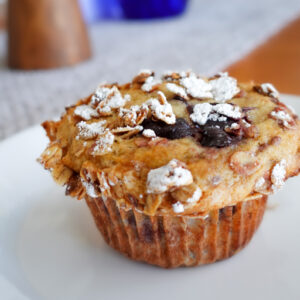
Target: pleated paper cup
x=174, y=241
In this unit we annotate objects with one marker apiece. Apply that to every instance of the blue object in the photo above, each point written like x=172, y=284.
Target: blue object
x=148, y=9
x=94, y=10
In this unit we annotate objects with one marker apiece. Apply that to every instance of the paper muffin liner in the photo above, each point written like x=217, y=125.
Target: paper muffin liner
x=173, y=241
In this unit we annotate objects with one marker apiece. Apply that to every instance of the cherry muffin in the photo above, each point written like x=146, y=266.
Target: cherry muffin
x=177, y=169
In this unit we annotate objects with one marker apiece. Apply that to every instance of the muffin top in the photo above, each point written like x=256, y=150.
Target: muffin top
x=179, y=144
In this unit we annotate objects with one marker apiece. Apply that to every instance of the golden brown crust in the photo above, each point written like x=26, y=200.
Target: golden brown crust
x=174, y=241
x=120, y=167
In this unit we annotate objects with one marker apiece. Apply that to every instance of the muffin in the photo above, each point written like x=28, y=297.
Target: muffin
x=176, y=170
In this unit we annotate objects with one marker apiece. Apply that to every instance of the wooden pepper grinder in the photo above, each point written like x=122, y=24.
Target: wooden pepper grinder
x=46, y=34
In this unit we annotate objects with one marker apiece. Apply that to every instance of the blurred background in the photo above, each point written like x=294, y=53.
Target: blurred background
x=53, y=52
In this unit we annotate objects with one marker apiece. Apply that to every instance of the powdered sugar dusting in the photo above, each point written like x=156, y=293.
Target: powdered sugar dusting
x=174, y=174
x=201, y=112
x=196, y=87
x=86, y=112
x=196, y=196
x=103, y=143
x=260, y=183
x=149, y=84
x=269, y=89
x=89, y=189
x=178, y=207
x=161, y=110
x=224, y=87
x=149, y=133
x=282, y=116
x=219, y=112
x=228, y=110
x=278, y=174
x=107, y=99
x=176, y=89
x=89, y=131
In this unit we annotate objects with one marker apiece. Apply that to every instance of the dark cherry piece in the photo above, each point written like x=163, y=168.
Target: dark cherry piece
x=214, y=135
x=179, y=130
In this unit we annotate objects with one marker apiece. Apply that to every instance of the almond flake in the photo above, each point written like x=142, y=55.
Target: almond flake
x=135, y=115
x=174, y=174
x=228, y=110
x=282, y=117
x=176, y=89
x=259, y=184
x=89, y=131
x=86, y=112
x=196, y=196
x=150, y=83
x=196, y=87
x=278, y=174
x=269, y=90
x=127, y=128
x=161, y=109
x=105, y=99
x=149, y=133
x=103, y=144
x=201, y=112
x=178, y=207
x=224, y=87
x=90, y=189
x=219, y=112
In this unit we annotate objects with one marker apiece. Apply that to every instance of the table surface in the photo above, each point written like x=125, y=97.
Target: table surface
x=277, y=60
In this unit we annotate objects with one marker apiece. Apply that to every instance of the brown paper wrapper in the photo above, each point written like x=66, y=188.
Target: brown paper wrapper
x=174, y=241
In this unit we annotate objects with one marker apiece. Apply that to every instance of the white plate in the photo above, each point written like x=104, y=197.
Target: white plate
x=51, y=249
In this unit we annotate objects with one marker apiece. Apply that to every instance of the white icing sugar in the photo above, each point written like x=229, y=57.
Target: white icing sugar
x=228, y=110
x=278, y=174
x=269, y=89
x=217, y=117
x=112, y=97
x=150, y=83
x=201, y=112
x=196, y=196
x=224, y=87
x=127, y=128
x=161, y=111
x=86, y=112
x=149, y=133
x=196, y=87
x=178, y=207
x=100, y=94
x=176, y=89
x=234, y=126
x=87, y=131
x=282, y=116
x=260, y=183
x=104, y=143
x=131, y=113
x=247, y=125
x=219, y=112
x=89, y=189
x=171, y=175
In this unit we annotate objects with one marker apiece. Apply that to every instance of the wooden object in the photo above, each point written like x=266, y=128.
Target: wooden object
x=276, y=61
x=46, y=34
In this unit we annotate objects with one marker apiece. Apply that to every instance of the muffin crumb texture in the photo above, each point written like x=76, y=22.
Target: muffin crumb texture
x=178, y=144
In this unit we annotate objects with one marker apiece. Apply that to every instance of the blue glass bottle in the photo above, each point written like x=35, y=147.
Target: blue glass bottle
x=94, y=10
x=148, y=9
